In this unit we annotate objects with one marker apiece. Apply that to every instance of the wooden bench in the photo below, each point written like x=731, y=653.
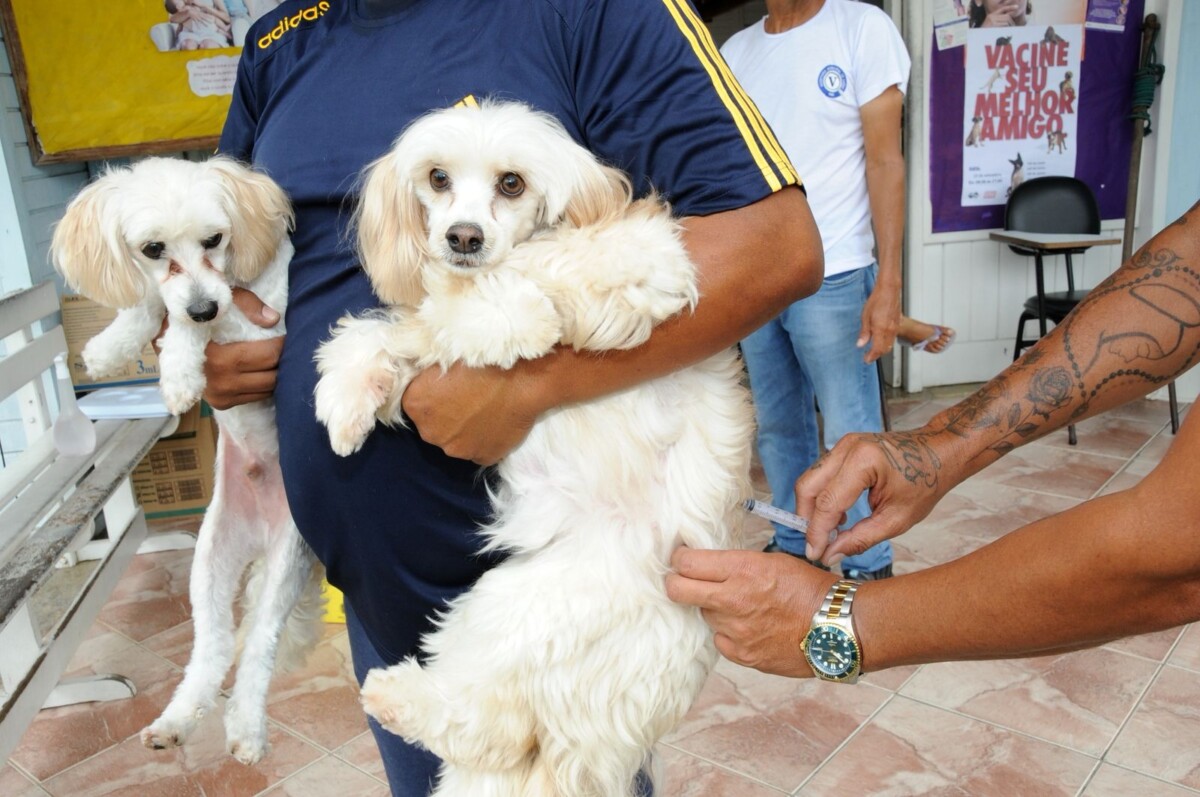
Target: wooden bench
x=50, y=507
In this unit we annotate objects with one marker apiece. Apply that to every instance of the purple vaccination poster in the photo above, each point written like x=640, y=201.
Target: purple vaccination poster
x=1103, y=134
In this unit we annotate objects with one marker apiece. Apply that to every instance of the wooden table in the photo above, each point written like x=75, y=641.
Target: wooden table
x=1049, y=242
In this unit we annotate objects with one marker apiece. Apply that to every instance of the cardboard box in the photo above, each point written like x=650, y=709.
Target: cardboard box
x=82, y=319
x=176, y=476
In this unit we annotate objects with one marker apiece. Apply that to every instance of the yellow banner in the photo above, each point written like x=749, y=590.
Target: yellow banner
x=124, y=76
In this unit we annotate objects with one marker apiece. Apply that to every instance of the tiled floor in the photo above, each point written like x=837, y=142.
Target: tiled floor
x=1117, y=721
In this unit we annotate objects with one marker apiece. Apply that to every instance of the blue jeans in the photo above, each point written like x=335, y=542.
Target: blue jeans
x=411, y=771
x=808, y=352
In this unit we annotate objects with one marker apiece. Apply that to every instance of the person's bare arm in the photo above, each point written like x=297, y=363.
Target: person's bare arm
x=1123, y=564
x=1134, y=332
x=752, y=263
x=885, y=190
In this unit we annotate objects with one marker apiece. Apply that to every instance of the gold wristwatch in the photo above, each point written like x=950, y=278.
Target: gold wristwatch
x=831, y=647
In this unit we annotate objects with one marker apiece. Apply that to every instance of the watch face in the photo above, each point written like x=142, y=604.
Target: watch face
x=832, y=652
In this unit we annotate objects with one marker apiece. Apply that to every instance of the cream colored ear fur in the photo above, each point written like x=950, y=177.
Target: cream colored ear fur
x=392, y=241
x=260, y=218
x=89, y=251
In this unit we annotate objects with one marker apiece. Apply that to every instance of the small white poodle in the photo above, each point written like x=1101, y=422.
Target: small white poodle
x=171, y=238
x=494, y=237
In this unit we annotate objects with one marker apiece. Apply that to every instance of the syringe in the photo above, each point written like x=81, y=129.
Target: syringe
x=783, y=517
x=776, y=515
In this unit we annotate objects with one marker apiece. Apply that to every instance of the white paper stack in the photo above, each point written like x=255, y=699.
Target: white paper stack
x=136, y=401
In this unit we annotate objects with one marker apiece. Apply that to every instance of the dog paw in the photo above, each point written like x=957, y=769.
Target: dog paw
x=100, y=365
x=245, y=734
x=348, y=408
x=165, y=733
x=347, y=435
x=392, y=697
x=178, y=399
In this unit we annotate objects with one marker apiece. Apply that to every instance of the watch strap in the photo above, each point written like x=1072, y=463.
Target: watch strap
x=839, y=600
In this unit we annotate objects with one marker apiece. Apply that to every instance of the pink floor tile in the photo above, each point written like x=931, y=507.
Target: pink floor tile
x=361, y=753
x=776, y=730
x=1047, y=469
x=320, y=700
x=1162, y=738
x=62, y=737
x=1187, y=652
x=329, y=776
x=688, y=776
x=1077, y=700
x=201, y=768
x=1110, y=781
x=914, y=749
x=14, y=784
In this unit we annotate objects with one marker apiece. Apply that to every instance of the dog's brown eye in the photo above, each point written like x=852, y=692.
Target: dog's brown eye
x=154, y=249
x=212, y=241
x=439, y=180
x=511, y=184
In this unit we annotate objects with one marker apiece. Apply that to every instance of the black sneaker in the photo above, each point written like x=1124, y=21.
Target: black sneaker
x=867, y=575
x=773, y=547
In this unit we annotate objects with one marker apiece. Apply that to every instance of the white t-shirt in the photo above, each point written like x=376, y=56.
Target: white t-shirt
x=809, y=82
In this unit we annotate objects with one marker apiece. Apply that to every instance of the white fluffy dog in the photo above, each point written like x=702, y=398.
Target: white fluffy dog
x=493, y=236
x=170, y=237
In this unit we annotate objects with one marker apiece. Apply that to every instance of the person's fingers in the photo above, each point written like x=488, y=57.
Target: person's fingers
x=826, y=492
x=254, y=308
x=247, y=356
x=701, y=565
x=156, y=344
x=855, y=541
x=881, y=344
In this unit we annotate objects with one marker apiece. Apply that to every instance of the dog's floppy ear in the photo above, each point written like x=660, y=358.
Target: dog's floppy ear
x=582, y=190
x=602, y=193
x=89, y=250
x=391, y=227
x=260, y=217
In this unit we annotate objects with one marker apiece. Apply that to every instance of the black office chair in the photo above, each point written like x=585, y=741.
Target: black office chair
x=1056, y=205
x=1052, y=205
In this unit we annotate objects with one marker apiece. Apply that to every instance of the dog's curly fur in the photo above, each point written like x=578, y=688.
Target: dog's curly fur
x=171, y=238
x=494, y=237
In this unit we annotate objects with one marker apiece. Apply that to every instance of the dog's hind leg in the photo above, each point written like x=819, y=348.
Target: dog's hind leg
x=468, y=716
x=215, y=578
x=287, y=573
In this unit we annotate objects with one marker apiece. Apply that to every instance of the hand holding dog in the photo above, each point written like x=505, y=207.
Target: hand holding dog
x=758, y=604
x=239, y=373
x=478, y=414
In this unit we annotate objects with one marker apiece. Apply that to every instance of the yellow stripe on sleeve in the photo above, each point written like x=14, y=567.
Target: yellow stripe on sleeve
x=755, y=132
x=761, y=128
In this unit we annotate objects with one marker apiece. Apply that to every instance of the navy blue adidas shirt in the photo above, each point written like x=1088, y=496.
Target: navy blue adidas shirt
x=322, y=90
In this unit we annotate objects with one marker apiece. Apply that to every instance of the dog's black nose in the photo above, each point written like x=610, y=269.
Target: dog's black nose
x=202, y=311
x=465, y=239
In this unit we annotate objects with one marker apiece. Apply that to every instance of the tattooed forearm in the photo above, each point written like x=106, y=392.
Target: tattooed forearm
x=1141, y=325
x=910, y=455
x=1135, y=331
